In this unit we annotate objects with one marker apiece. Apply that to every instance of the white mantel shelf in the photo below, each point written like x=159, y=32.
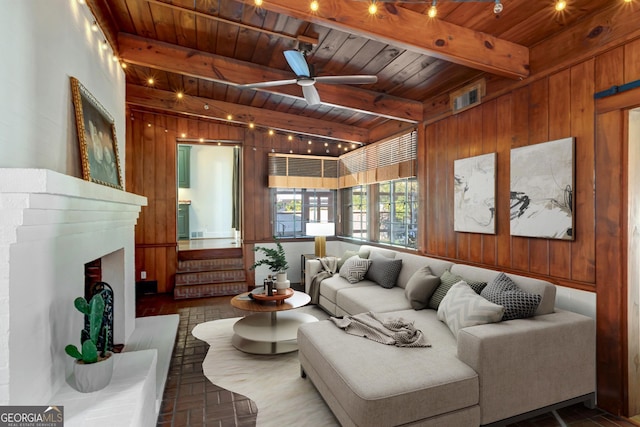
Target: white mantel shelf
x=44, y=181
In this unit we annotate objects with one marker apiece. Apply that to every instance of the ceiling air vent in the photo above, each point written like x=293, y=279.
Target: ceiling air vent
x=467, y=97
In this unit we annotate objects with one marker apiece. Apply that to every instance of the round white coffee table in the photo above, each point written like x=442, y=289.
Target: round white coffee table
x=271, y=329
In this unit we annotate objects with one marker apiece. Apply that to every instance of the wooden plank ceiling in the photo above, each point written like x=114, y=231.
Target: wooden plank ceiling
x=206, y=48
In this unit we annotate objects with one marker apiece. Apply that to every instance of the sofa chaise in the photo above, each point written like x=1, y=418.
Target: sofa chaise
x=485, y=374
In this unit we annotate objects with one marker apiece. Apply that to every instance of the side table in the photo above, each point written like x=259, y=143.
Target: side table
x=272, y=329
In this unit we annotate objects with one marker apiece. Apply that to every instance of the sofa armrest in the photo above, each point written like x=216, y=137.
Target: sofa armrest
x=311, y=268
x=526, y=364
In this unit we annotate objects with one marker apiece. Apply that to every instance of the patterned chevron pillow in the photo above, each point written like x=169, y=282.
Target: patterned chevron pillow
x=518, y=304
x=462, y=307
x=355, y=268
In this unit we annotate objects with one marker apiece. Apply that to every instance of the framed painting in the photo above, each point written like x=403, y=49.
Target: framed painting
x=475, y=194
x=97, y=138
x=542, y=190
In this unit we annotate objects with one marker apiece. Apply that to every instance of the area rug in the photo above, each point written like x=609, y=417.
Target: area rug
x=273, y=382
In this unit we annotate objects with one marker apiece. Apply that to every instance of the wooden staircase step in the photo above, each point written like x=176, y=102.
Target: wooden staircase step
x=209, y=290
x=195, y=265
x=209, y=253
x=204, y=277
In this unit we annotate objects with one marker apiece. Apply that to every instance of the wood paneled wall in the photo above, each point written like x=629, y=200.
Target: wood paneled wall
x=542, y=111
x=151, y=160
x=555, y=106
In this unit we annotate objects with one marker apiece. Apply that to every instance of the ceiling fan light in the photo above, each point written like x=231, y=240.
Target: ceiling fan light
x=498, y=8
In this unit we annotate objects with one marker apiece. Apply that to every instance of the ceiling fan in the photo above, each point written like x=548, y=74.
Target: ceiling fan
x=304, y=78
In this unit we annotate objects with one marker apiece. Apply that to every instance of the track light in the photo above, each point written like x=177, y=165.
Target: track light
x=314, y=6
x=258, y=3
x=433, y=10
x=498, y=7
x=560, y=5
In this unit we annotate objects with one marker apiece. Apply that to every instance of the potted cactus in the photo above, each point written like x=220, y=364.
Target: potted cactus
x=93, y=367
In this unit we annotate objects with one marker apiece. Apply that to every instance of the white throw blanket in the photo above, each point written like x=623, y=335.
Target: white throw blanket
x=393, y=331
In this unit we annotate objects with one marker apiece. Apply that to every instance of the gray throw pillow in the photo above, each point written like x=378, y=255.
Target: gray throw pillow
x=384, y=271
x=518, y=304
x=420, y=287
x=462, y=307
x=447, y=280
x=354, y=269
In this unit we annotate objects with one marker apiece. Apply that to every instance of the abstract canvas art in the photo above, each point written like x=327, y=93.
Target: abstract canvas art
x=474, y=193
x=542, y=189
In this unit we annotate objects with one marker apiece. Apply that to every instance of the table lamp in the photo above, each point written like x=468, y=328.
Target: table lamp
x=320, y=230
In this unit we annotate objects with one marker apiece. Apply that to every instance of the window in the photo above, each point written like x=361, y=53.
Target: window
x=403, y=212
x=355, y=212
x=389, y=214
x=293, y=208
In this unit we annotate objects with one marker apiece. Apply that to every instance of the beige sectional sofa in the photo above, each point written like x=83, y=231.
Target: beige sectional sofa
x=489, y=374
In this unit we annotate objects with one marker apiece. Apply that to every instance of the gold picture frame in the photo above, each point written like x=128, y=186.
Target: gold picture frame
x=97, y=138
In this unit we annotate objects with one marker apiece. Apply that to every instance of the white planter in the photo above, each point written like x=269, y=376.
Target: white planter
x=282, y=282
x=93, y=376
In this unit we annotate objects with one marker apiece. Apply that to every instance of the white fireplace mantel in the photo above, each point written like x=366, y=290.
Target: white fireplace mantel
x=52, y=224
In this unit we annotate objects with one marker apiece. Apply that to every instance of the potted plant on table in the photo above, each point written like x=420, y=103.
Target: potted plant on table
x=93, y=367
x=277, y=262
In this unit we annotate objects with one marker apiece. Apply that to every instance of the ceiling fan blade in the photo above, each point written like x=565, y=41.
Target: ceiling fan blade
x=347, y=80
x=311, y=95
x=297, y=62
x=268, y=84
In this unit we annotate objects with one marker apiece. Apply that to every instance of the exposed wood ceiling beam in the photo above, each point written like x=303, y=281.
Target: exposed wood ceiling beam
x=203, y=65
x=415, y=32
x=194, y=106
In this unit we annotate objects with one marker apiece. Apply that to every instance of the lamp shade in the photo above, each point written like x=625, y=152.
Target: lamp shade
x=321, y=228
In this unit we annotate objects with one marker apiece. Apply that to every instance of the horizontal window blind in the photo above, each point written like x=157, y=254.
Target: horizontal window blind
x=387, y=160
x=300, y=171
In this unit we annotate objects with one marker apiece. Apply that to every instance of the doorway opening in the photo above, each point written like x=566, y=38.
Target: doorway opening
x=209, y=195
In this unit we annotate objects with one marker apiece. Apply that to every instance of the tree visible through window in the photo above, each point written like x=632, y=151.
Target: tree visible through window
x=293, y=208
